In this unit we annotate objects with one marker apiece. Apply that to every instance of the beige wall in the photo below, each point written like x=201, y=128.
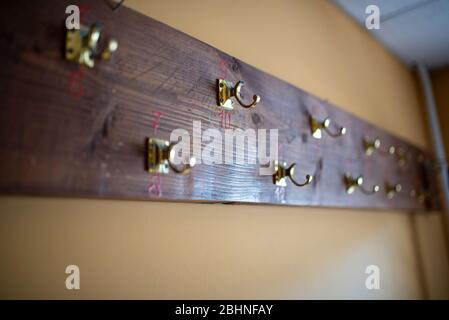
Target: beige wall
x=165, y=250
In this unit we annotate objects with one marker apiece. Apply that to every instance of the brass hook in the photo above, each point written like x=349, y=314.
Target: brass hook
x=316, y=127
x=401, y=157
x=227, y=90
x=420, y=196
x=392, y=189
x=160, y=155
x=372, y=145
x=281, y=172
x=109, y=50
x=352, y=183
x=82, y=45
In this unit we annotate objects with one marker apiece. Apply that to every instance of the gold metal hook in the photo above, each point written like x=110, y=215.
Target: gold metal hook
x=82, y=45
x=281, y=172
x=316, y=127
x=371, y=146
x=352, y=183
x=227, y=90
x=160, y=155
x=420, y=196
x=401, y=157
x=392, y=189
x=109, y=50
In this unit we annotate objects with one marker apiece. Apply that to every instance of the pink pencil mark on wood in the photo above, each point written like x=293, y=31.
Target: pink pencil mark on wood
x=76, y=86
x=155, y=187
x=84, y=8
x=156, y=121
x=225, y=119
x=223, y=66
x=280, y=150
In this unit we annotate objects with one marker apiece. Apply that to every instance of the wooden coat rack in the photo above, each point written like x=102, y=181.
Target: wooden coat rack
x=70, y=130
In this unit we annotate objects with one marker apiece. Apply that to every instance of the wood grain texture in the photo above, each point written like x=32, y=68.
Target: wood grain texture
x=60, y=140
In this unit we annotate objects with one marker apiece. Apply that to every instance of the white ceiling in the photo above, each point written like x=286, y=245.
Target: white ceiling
x=413, y=30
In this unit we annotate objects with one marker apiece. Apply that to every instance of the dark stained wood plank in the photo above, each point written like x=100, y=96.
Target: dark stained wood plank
x=57, y=140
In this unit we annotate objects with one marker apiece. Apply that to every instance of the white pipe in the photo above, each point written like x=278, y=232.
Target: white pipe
x=437, y=139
